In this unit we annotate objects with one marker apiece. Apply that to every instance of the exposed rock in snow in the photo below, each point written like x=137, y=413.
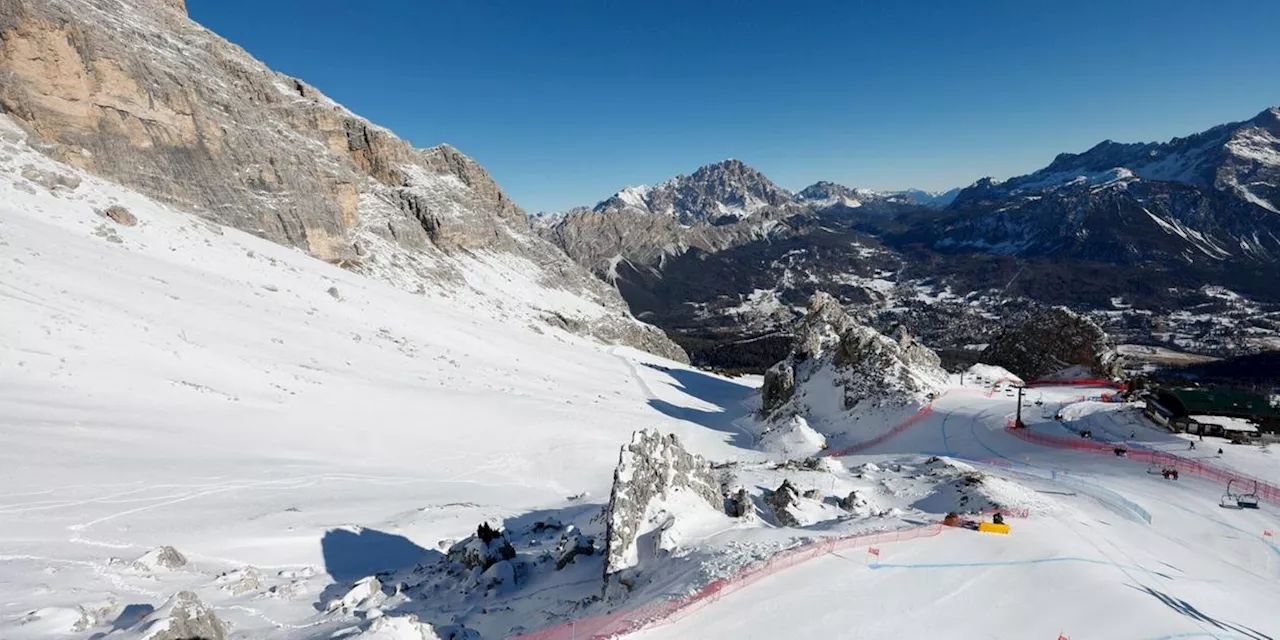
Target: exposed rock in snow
x=1052, y=340
x=832, y=350
x=182, y=617
x=482, y=550
x=366, y=593
x=793, y=439
x=166, y=558
x=240, y=581
x=651, y=468
x=782, y=501
x=573, y=544
x=740, y=504
x=779, y=385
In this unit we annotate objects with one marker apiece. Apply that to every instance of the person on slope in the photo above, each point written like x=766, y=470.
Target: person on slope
x=1193, y=445
x=997, y=518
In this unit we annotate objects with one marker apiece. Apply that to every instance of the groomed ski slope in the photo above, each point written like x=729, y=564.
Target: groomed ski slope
x=1085, y=564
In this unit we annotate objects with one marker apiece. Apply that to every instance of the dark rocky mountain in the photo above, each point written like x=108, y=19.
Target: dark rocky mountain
x=1172, y=244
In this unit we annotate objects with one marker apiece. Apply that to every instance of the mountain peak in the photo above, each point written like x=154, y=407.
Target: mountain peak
x=721, y=191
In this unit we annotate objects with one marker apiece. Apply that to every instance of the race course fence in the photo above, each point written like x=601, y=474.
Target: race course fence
x=899, y=428
x=1265, y=490
x=619, y=623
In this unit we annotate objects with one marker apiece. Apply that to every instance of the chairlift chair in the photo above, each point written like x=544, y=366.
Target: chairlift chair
x=1249, y=500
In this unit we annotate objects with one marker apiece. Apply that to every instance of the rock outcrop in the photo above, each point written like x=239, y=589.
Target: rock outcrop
x=778, y=386
x=740, y=505
x=782, y=500
x=183, y=617
x=1054, y=340
x=135, y=92
x=651, y=468
x=868, y=368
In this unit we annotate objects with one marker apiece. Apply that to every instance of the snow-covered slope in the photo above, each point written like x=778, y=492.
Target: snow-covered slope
x=168, y=381
x=135, y=92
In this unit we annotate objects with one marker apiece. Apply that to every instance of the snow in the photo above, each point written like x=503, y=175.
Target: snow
x=792, y=440
x=179, y=383
x=1228, y=423
x=989, y=374
x=292, y=428
x=1078, y=566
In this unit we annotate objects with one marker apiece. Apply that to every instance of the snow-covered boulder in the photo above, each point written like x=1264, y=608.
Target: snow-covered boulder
x=161, y=558
x=1052, y=340
x=182, y=617
x=794, y=439
x=408, y=627
x=652, y=468
x=482, y=550
x=365, y=594
x=573, y=544
x=240, y=581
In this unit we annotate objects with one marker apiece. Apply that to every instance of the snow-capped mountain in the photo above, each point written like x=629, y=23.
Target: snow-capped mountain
x=828, y=195
x=1240, y=158
x=718, y=193
x=1206, y=198
x=1133, y=235
x=137, y=93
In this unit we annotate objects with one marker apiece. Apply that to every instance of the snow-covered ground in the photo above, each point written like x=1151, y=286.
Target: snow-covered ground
x=292, y=428
x=1085, y=564
x=177, y=383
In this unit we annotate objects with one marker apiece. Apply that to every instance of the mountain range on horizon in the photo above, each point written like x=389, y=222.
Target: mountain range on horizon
x=1131, y=232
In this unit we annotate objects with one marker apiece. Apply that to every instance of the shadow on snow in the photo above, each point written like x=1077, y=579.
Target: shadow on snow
x=728, y=396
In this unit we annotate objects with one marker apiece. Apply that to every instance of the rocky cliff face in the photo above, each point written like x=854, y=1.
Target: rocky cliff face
x=134, y=91
x=716, y=193
x=651, y=469
x=1054, y=340
x=865, y=369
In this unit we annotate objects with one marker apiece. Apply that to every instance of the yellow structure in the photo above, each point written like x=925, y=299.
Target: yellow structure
x=991, y=527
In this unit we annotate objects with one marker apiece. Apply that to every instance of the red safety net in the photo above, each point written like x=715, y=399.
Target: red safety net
x=1265, y=490
x=1083, y=382
x=618, y=623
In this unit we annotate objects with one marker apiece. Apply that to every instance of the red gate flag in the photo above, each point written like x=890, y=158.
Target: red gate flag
x=875, y=551
x=1267, y=533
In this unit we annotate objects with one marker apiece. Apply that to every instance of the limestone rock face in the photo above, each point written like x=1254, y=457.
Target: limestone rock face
x=651, y=467
x=1054, y=340
x=135, y=92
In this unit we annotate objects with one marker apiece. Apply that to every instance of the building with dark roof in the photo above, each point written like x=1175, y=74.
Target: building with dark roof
x=1175, y=406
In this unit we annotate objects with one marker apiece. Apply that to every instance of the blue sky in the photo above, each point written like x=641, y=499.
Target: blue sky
x=566, y=102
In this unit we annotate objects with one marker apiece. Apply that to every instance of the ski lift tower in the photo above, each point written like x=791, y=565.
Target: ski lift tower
x=1017, y=421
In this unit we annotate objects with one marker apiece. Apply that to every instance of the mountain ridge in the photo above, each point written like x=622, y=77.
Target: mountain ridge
x=135, y=92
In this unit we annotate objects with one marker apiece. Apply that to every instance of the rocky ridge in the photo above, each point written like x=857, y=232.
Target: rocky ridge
x=866, y=369
x=135, y=92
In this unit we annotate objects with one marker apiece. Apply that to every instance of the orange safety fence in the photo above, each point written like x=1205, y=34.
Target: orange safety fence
x=618, y=623
x=1265, y=490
